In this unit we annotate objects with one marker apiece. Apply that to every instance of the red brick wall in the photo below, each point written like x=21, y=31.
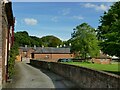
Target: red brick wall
x=4, y=39
x=101, y=61
x=4, y=45
x=28, y=54
x=5, y=35
x=52, y=56
x=25, y=54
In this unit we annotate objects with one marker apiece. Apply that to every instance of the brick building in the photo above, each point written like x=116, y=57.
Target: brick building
x=44, y=53
x=24, y=52
x=102, y=59
x=51, y=53
x=6, y=37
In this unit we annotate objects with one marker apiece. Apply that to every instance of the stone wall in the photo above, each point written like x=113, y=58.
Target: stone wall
x=83, y=77
x=101, y=61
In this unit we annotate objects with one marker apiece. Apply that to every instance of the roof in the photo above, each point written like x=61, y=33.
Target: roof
x=52, y=50
x=25, y=49
x=103, y=56
x=47, y=50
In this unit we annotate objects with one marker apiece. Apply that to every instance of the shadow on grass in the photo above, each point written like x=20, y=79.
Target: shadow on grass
x=113, y=72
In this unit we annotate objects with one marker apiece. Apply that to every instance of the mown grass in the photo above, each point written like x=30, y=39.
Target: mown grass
x=112, y=68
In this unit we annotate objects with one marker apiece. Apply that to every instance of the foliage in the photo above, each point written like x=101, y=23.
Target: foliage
x=11, y=62
x=35, y=41
x=23, y=38
x=109, y=31
x=84, y=41
x=51, y=41
x=67, y=43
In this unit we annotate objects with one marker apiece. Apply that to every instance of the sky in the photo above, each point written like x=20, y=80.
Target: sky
x=56, y=18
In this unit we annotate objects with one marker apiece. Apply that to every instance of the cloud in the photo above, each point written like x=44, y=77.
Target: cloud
x=100, y=7
x=78, y=17
x=30, y=21
x=65, y=11
x=54, y=19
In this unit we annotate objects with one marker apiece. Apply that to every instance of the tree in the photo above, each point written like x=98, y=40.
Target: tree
x=84, y=41
x=51, y=41
x=109, y=31
x=35, y=41
x=22, y=38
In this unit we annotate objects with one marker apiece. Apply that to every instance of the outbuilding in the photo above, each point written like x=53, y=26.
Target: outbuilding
x=51, y=53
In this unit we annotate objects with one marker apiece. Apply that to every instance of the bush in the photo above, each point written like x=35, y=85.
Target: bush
x=11, y=61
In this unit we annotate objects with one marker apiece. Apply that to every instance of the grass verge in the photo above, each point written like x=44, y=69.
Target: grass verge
x=111, y=68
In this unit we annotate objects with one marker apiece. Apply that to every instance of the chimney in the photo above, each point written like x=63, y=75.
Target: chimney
x=57, y=46
x=35, y=47
x=42, y=46
x=64, y=45
x=60, y=45
x=25, y=46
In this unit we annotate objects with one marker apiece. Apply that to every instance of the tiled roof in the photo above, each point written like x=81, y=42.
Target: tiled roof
x=52, y=50
x=47, y=50
x=25, y=49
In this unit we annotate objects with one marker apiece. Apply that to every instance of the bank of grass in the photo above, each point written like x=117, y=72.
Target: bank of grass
x=112, y=68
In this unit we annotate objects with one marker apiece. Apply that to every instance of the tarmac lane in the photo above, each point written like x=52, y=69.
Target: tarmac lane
x=27, y=76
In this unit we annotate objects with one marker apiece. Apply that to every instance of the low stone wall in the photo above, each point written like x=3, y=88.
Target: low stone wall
x=83, y=77
x=101, y=61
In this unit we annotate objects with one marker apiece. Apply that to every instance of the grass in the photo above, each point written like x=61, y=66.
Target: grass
x=112, y=68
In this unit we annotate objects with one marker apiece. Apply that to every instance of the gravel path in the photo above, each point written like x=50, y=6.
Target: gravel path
x=28, y=76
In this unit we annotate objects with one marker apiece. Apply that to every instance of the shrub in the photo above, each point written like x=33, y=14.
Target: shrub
x=11, y=62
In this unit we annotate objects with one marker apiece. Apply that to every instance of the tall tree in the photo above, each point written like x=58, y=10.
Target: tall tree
x=84, y=41
x=22, y=38
x=109, y=31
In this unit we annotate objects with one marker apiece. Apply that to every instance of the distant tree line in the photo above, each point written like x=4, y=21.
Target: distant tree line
x=22, y=38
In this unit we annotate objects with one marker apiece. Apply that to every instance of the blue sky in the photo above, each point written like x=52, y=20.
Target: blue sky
x=56, y=18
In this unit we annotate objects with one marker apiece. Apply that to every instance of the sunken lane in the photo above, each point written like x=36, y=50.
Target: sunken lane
x=27, y=76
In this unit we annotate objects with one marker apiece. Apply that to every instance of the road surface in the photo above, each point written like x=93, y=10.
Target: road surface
x=28, y=76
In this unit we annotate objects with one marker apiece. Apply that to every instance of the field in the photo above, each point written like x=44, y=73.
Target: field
x=112, y=68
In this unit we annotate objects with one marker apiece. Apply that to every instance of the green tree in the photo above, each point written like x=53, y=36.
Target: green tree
x=22, y=38
x=109, y=31
x=35, y=41
x=51, y=41
x=84, y=41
